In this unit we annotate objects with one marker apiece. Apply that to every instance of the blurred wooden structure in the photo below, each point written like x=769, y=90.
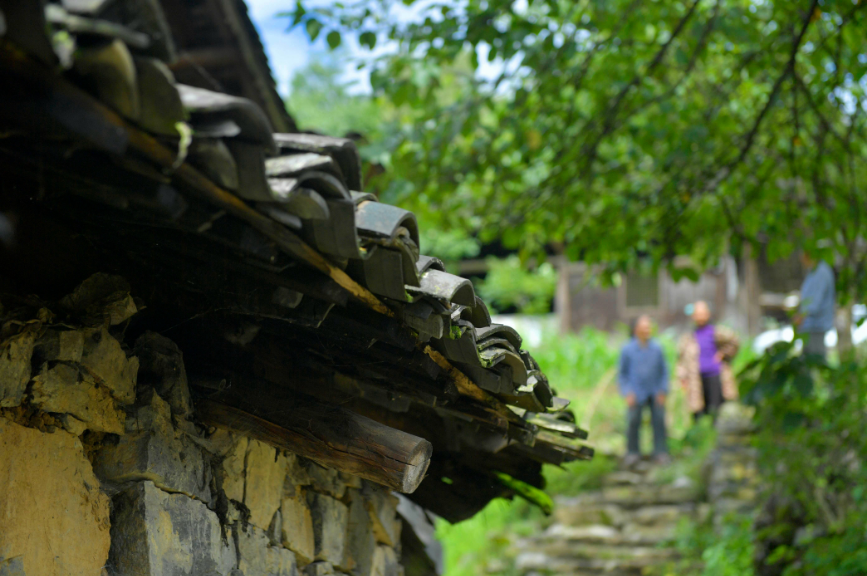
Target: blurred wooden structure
x=739, y=293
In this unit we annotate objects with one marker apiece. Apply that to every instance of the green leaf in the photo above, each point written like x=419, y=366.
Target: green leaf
x=333, y=39
x=314, y=27
x=367, y=39
x=529, y=493
x=299, y=13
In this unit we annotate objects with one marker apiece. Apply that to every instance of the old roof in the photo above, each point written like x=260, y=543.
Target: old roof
x=281, y=280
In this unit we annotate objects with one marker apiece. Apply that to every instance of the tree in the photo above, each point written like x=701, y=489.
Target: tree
x=322, y=101
x=628, y=128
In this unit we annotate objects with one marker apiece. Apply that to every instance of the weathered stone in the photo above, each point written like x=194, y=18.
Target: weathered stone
x=654, y=515
x=575, y=515
x=230, y=473
x=53, y=517
x=15, y=353
x=172, y=463
x=72, y=424
x=725, y=506
x=297, y=528
x=150, y=413
x=59, y=389
x=382, y=508
x=162, y=366
x=591, y=533
x=102, y=298
x=385, y=562
x=265, y=474
x=350, y=481
x=674, y=493
x=623, y=478
x=418, y=538
x=154, y=533
x=734, y=441
x=330, y=518
x=105, y=362
x=12, y=567
x=297, y=474
x=257, y=557
x=735, y=418
x=57, y=345
x=596, y=556
x=650, y=535
x=326, y=479
x=537, y=562
x=275, y=530
x=318, y=569
x=360, y=538
x=563, y=537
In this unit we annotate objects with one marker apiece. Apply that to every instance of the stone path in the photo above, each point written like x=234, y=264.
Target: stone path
x=625, y=529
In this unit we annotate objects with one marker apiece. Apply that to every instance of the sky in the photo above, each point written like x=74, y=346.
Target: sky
x=291, y=51
x=287, y=51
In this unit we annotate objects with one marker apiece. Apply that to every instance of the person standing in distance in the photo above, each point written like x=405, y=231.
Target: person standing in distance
x=818, y=300
x=643, y=379
x=703, y=368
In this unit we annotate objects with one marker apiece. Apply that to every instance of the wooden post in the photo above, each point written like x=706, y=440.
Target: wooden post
x=563, y=295
x=332, y=436
x=752, y=291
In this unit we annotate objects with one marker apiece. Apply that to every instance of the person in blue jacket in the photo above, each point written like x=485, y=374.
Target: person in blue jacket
x=643, y=379
x=818, y=302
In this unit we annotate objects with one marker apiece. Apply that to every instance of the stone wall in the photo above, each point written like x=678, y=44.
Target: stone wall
x=103, y=470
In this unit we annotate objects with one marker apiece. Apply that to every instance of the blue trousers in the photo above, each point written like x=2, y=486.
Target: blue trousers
x=657, y=420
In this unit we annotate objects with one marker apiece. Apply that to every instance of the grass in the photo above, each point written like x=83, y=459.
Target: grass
x=579, y=367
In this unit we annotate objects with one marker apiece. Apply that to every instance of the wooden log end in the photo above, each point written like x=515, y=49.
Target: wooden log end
x=416, y=467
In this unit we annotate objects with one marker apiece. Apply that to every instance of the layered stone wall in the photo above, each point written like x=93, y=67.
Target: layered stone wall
x=103, y=470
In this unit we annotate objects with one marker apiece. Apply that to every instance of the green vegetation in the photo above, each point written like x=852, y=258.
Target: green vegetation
x=619, y=132
x=510, y=284
x=710, y=552
x=322, y=101
x=812, y=449
x=622, y=129
x=581, y=364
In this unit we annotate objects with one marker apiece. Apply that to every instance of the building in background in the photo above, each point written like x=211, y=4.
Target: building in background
x=740, y=293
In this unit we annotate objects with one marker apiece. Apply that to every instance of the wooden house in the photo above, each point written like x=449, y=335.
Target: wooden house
x=218, y=354
x=740, y=293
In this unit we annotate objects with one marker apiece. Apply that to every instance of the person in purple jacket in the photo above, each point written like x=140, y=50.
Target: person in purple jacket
x=703, y=363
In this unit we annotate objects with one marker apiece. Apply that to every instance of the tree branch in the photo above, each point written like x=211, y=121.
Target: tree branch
x=750, y=137
x=610, y=115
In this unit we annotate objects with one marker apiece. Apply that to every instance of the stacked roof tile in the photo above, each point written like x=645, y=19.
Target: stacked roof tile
x=266, y=258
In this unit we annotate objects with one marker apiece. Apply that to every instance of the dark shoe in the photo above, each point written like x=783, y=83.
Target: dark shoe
x=662, y=459
x=630, y=460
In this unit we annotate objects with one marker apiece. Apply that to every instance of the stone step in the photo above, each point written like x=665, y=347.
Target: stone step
x=679, y=492
x=683, y=491
x=571, y=557
x=624, y=478
x=571, y=571
x=595, y=549
x=618, y=516
x=571, y=514
x=630, y=535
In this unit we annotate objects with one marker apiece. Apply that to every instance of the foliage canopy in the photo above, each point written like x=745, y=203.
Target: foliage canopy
x=625, y=128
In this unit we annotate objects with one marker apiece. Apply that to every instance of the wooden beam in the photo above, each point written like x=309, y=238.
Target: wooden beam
x=334, y=437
